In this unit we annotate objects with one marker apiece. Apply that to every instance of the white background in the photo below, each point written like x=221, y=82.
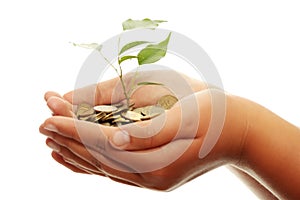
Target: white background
x=254, y=44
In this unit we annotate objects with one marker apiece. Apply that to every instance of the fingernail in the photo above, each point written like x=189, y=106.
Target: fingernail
x=121, y=138
x=53, y=146
x=50, y=127
x=50, y=103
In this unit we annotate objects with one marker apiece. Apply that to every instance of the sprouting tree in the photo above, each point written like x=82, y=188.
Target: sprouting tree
x=151, y=53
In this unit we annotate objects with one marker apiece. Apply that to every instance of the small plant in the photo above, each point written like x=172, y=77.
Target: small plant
x=151, y=53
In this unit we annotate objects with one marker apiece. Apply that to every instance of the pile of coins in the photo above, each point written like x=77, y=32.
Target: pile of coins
x=120, y=114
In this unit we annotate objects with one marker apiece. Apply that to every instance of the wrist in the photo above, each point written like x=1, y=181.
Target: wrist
x=231, y=137
x=236, y=127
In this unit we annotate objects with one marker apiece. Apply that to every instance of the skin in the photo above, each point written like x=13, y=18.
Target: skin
x=254, y=143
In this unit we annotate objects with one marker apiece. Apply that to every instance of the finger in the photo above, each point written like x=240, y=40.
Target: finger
x=124, y=165
x=149, y=160
x=81, y=151
x=123, y=181
x=51, y=94
x=90, y=134
x=71, y=158
x=100, y=161
x=58, y=158
x=106, y=92
x=60, y=106
x=142, y=164
x=66, y=135
x=106, y=159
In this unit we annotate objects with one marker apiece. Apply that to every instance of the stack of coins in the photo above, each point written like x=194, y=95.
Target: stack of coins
x=120, y=114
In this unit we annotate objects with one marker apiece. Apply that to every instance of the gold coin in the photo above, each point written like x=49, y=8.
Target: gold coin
x=167, y=101
x=107, y=115
x=106, y=124
x=100, y=116
x=112, y=117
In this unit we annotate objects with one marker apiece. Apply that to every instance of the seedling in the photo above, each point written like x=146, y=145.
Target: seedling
x=152, y=53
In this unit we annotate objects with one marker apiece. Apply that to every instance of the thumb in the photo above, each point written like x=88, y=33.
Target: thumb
x=143, y=135
x=155, y=133
x=106, y=92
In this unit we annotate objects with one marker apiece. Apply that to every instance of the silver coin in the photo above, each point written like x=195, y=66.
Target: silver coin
x=84, y=110
x=133, y=116
x=105, y=108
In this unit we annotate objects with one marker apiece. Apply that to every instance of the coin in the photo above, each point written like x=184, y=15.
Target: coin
x=139, y=110
x=149, y=112
x=133, y=116
x=84, y=110
x=167, y=101
x=121, y=109
x=119, y=113
x=112, y=117
x=106, y=124
x=90, y=118
x=100, y=116
x=105, y=108
x=121, y=120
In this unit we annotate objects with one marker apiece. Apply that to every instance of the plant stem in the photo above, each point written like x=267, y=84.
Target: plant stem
x=133, y=80
x=120, y=74
x=124, y=88
x=110, y=63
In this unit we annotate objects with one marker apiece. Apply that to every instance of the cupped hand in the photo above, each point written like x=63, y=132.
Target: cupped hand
x=162, y=153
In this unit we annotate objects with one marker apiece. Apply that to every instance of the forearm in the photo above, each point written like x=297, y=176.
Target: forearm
x=272, y=152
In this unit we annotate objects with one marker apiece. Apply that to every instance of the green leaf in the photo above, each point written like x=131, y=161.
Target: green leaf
x=125, y=58
x=145, y=23
x=153, y=52
x=131, y=45
x=149, y=83
x=95, y=46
